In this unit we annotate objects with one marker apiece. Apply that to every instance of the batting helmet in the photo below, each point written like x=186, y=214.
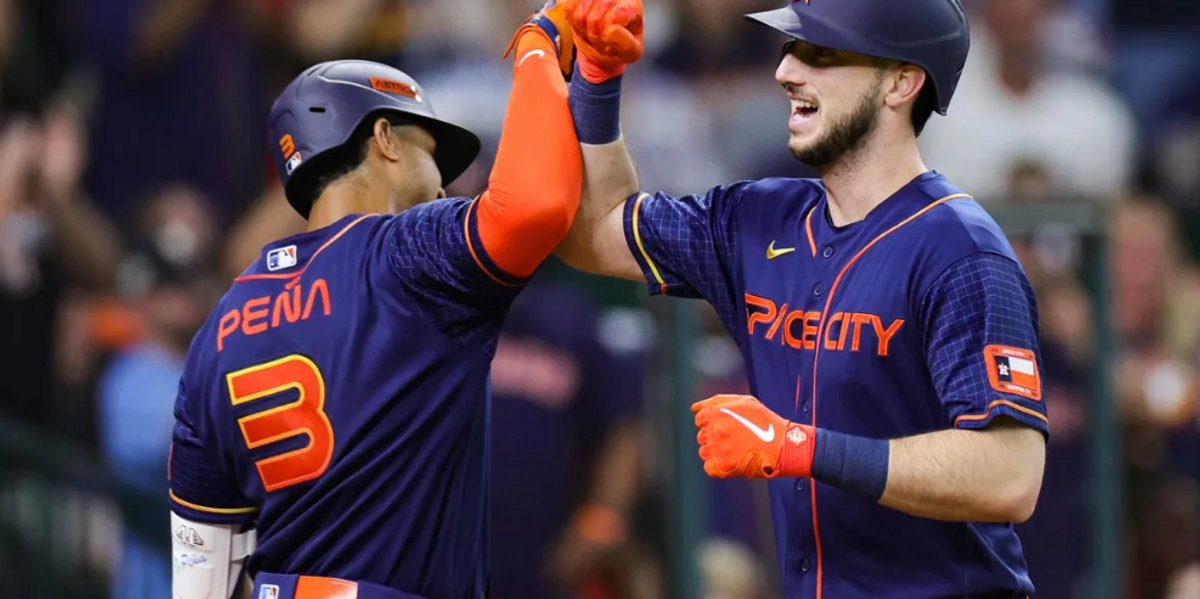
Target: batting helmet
x=320, y=110
x=931, y=34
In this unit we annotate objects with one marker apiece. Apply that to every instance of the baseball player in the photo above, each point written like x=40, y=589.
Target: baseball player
x=337, y=400
x=888, y=330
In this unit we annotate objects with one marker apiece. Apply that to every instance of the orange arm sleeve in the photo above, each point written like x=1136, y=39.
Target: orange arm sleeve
x=535, y=184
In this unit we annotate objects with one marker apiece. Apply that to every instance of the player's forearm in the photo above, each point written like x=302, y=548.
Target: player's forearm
x=993, y=475
x=534, y=187
x=609, y=175
x=609, y=178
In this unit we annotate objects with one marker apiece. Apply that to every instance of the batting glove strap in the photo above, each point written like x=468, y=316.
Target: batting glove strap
x=796, y=457
x=596, y=71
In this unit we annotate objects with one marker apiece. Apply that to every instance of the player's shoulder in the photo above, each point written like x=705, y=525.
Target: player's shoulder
x=787, y=189
x=439, y=211
x=295, y=255
x=957, y=223
x=780, y=198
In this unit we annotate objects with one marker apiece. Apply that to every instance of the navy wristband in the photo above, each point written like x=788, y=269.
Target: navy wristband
x=596, y=109
x=850, y=463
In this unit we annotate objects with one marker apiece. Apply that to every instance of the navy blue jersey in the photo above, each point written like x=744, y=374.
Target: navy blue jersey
x=337, y=399
x=918, y=318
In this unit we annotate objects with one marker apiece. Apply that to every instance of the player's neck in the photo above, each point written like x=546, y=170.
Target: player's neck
x=863, y=179
x=343, y=197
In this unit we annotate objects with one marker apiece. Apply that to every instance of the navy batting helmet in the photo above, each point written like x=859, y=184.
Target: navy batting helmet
x=321, y=109
x=931, y=34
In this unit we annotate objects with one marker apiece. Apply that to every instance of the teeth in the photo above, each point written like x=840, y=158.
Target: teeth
x=803, y=104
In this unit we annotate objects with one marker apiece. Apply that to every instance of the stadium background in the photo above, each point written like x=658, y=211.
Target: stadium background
x=135, y=184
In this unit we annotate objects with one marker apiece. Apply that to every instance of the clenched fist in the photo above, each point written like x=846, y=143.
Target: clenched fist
x=739, y=436
x=608, y=34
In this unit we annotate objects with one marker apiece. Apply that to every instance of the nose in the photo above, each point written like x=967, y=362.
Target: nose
x=791, y=70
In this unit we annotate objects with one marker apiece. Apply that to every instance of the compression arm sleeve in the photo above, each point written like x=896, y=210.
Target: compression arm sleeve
x=208, y=559
x=535, y=184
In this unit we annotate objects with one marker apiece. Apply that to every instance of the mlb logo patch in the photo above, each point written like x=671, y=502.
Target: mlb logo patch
x=279, y=258
x=293, y=162
x=1013, y=370
x=268, y=591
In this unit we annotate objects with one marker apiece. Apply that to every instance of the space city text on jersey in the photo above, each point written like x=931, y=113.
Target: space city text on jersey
x=844, y=331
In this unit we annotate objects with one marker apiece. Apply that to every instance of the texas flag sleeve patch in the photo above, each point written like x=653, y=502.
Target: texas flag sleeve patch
x=1013, y=370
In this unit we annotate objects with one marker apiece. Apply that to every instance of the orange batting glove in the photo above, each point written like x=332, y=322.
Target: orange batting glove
x=551, y=20
x=739, y=436
x=608, y=34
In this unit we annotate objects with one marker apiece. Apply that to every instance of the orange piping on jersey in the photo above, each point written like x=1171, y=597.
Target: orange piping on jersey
x=471, y=246
x=817, y=354
x=812, y=244
x=1000, y=402
x=797, y=393
x=637, y=238
x=316, y=587
x=212, y=510
x=292, y=275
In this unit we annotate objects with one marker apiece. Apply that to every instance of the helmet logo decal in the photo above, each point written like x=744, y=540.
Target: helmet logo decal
x=287, y=145
x=395, y=87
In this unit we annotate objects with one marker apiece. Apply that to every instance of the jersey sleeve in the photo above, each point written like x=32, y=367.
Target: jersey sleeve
x=686, y=246
x=435, y=252
x=981, y=343
x=201, y=490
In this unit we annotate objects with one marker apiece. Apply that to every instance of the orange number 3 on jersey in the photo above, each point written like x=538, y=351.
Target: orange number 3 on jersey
x=305, y=416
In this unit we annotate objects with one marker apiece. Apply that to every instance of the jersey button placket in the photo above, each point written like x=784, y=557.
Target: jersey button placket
x=828, y=251
x=818, y=289
x=804, y=565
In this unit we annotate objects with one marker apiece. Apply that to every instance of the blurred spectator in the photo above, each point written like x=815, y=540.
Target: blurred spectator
x=1155, y=61
x=1055, y=539
x=36, y=51
x=1156, y=311
x=568, y=392
x=1155, y=301
x=1166, y=538
x=319, y=30
x=180, y=98
x=297, y=34
x=1010, y=111
x=270, y=218
x=730, y=571
x=712, y=38
x=168, y=282
x=50, y=237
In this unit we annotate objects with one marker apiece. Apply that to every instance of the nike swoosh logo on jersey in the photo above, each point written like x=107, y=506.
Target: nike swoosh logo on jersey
x=530, y=53
x=773, y=253
x=766, y=435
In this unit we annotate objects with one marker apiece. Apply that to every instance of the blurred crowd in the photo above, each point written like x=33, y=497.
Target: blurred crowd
x=135, y=184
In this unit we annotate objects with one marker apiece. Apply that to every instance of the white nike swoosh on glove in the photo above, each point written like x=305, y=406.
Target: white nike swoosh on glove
x=766, y=435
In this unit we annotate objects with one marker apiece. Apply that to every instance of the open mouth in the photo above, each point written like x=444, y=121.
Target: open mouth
x=803, y=110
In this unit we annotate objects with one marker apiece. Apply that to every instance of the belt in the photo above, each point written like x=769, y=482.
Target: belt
x=294, y=586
